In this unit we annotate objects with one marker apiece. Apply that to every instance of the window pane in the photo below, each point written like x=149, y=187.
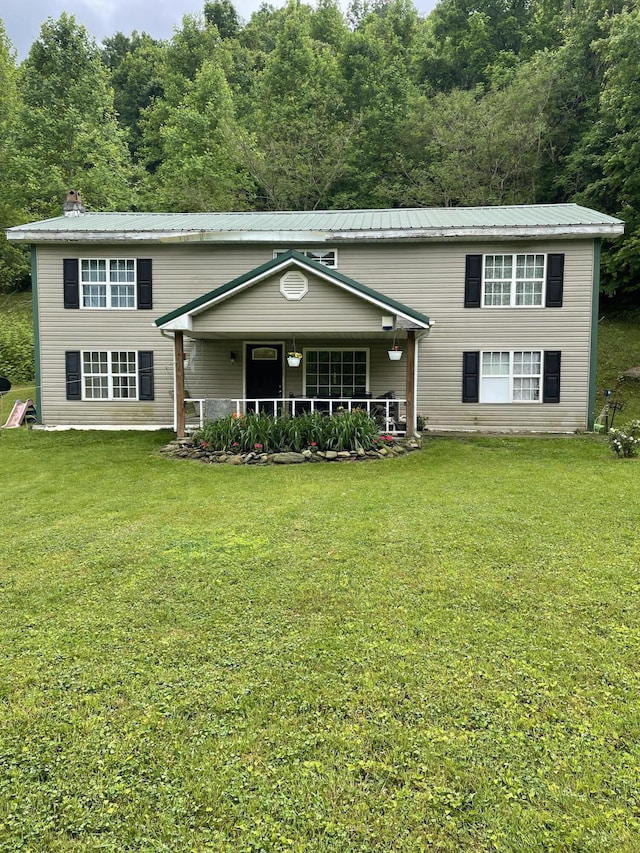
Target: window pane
x=497, y=293
x=121, y=271
x=526, y=390
x=123, y=296
x=92, y=271
x=94, y=295
x=529, y=293
x=495, y=364
x=498, y=267
x=494, y=389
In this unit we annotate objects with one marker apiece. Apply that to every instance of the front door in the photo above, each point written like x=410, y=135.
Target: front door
x=263, y=374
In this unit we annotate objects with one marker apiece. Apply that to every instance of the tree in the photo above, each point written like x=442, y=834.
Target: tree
x=471, y=148
x=613, y=149
x=137, y=77
x=13, y=261
x=67, y=132
x=200, y=168
x=301, y=134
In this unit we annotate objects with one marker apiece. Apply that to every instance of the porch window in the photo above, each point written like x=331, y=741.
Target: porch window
x=109, y=375
x=336, y=372
x=108, y=283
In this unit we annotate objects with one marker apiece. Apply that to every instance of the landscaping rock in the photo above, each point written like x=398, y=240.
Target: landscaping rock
x=288, y=458
x=187, y=448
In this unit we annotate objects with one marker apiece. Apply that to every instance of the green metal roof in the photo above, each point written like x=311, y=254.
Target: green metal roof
x=288, y=259
x=324, y=225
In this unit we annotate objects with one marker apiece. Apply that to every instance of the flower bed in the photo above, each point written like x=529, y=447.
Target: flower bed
x=191, y=448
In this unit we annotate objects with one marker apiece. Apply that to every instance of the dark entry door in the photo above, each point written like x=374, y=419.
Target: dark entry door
x=263, y=373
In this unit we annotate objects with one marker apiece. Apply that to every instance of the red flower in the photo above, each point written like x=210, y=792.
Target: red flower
x=258, y=446
x=314, y=444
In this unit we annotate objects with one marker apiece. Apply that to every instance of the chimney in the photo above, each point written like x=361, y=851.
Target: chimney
x=73, y=205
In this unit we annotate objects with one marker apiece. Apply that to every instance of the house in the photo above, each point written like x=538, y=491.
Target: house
x=150, y=320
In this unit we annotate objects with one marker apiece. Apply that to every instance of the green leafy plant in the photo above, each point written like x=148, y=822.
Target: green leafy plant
x=625, y=441
x=265, y=434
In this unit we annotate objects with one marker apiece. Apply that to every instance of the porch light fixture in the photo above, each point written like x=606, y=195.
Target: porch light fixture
x=232, y=357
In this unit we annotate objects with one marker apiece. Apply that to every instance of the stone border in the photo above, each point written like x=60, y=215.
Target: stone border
x=187, y=448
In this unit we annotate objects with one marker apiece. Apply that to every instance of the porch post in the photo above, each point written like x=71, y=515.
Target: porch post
x=179, y=357
x=411, y=382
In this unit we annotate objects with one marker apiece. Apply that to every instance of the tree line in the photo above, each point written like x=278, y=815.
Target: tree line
x=481, y=102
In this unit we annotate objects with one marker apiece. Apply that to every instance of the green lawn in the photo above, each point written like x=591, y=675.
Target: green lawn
x=438, y=652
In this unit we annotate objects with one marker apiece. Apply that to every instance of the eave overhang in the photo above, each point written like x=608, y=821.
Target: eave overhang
x=23, y=234
x=182, y=318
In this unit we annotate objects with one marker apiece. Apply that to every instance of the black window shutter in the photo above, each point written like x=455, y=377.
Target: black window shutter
x=473, y=281
x=551, y=377
x=145, y=375
x=71, y=283
x=73, y=374
x=145, y=286
x=555, y=281
x=470, y=377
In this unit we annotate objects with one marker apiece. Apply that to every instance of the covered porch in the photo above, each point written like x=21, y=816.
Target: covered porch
x=292, y=337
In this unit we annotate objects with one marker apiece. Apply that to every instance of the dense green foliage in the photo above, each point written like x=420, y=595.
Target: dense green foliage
x=434, y=653
x=303, y=107
x=265, y=434
x=16, y=338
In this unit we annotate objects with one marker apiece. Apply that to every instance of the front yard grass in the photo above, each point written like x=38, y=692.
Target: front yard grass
x=438, y=652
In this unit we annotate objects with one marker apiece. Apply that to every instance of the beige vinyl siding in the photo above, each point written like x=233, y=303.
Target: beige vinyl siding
x=428, y=277
x=262, y=308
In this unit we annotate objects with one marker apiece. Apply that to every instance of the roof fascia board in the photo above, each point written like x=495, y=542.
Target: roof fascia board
x=484, y=232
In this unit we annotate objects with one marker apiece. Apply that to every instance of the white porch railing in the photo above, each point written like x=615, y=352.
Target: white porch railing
x=390, y=412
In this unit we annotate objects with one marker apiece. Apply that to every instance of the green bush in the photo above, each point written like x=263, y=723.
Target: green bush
x=16, y=339
x=625, y=442
x=266, y=434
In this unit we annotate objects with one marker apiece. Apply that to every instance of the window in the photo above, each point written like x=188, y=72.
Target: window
x=510, y=377
x=336, y=372
x=327, y=257
x=109, y=375
x=108, y=283
x=513, y=281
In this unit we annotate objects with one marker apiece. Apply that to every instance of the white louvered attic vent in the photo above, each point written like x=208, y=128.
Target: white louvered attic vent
x=293, y=285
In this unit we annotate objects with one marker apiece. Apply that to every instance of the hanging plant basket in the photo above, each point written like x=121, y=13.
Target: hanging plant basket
x=294, y=359
x=394, y=354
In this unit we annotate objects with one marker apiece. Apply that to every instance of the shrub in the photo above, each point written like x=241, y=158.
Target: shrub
x=266, y=434
x=625, y=442
x=16, y=341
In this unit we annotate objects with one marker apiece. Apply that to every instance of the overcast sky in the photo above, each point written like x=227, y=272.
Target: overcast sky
x=22, y=18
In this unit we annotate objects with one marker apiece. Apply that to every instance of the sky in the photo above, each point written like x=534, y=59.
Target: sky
x=22, y=18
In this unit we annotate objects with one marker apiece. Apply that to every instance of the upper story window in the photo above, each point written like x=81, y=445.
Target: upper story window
x=513, y=281
x=108, y=283
x=518, y=280
x=328, y=257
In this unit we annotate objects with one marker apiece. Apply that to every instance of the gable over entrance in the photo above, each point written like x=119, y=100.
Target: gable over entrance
x=292, y=293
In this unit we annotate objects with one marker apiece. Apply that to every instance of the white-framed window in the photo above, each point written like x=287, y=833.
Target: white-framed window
x=328, y=257
x=336, y=372
x=109, y=375
x=513, y=281
x=108, y=282
x=511, y=376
